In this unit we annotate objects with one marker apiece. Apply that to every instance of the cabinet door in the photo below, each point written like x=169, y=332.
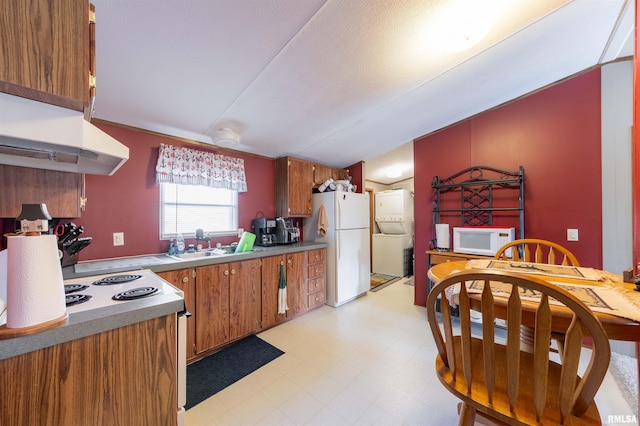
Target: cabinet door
x=185, y=281
x=244, y=298
x=296, y=283
x=212, y=322
x=270, y=283
x=340, y=174
x=300, y=187
x=60, y=191
x=44, y=52
x=321, y=173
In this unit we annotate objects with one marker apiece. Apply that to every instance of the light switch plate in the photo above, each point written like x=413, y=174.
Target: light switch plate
x=118, y=238
x=572, y=235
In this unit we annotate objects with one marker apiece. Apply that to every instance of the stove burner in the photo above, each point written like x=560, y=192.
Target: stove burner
x=76, y=299
x=136, y=293
x=116, y=279
x=72, y=288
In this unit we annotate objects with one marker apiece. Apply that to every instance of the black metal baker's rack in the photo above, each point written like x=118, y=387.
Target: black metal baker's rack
x=477, y=187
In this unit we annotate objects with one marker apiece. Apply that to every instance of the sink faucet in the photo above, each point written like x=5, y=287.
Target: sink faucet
x=201, y=237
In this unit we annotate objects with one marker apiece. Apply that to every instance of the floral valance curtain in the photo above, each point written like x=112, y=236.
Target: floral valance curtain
x=192, y=167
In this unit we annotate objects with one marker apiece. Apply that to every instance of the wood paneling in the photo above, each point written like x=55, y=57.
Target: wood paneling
x=124, y=376
x=60, y=191
x=44, y=54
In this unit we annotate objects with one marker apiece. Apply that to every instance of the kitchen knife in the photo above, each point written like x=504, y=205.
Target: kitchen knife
x=73, y=235
x=66, y=230
x=78, y=245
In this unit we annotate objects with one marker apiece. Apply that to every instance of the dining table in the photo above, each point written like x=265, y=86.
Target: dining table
x=617, y=327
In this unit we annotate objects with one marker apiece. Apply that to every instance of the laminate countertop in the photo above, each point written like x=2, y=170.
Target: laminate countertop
x=86, y=323
x=163, y=262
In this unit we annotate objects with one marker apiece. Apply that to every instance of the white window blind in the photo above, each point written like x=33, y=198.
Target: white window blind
x=185, y=208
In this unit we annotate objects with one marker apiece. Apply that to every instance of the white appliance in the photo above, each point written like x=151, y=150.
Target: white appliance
x=43, y=136
x=347, y=238
x=97, y=292
x=484, y=241
x=394, y=211
x=394, y=216
x=391, y=254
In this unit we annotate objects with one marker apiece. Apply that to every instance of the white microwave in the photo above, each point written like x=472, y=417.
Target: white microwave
x=484, y=241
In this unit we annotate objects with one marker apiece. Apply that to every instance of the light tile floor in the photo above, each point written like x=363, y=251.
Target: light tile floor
x=368, y=362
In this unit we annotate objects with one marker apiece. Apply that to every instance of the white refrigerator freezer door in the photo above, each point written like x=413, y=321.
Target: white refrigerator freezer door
x=352, y=265
x=352, y=210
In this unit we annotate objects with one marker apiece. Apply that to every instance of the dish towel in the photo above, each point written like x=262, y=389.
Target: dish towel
x=322, y=221
x=282, y=292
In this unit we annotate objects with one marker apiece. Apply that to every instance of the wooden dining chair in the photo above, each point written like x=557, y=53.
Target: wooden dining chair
x=543, y=251
x=499, y=381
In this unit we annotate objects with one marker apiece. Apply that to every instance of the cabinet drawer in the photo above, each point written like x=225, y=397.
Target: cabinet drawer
x=315, y=285
x=316, y=255
x=316, y=270
x=316, y=299
x=441, y=258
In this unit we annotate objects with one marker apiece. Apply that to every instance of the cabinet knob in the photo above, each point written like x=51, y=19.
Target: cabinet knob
x=226, y=272
x=233, y=271
x=289, y=261
x=185, y=279
x=316, y=271
x=317, y=285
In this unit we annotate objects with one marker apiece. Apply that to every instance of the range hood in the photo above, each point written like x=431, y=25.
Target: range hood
x=44, y=136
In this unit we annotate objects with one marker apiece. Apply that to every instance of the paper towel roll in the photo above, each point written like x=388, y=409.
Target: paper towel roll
x=442, y=236
x=35, y=287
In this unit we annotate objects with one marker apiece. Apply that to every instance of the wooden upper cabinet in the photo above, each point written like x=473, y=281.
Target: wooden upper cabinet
x=45, y=52
x=321, y=174
x=294, y=186
x=60, y=191
x=340, y=174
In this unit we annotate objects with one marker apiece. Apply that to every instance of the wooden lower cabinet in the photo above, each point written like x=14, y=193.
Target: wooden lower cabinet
x=228, y=302
x=295, y=275
x=316, y=272
x=232, y=300
x=184, y=279
x=125, y=376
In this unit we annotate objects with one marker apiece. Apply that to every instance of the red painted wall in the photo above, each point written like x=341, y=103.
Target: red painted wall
x=555, y=135
x=128, y=201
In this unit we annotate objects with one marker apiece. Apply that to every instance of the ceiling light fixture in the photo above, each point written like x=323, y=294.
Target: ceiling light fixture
x=462, y=24
x=394, y=173
x=225, y=138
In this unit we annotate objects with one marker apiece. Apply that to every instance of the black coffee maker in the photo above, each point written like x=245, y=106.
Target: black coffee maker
x=286, y=232
x=265, y=230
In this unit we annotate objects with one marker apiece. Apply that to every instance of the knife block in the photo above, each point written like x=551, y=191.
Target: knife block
x=67, y=259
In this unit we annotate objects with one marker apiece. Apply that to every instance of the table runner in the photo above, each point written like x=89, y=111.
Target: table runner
x=607, y=296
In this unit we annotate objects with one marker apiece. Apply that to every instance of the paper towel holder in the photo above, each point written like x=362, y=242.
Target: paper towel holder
x=443, y=238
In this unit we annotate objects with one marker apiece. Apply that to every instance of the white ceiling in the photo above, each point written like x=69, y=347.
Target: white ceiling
x=334, y=81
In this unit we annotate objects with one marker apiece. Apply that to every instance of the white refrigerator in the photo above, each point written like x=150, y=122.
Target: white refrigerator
x=347, y=238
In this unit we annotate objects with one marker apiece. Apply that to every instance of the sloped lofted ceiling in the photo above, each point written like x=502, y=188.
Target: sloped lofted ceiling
x=335, y=81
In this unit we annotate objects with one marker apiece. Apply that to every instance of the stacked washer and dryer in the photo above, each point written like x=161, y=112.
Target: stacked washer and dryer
x=392, y=248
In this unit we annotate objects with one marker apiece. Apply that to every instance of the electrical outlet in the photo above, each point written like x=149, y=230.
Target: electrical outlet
x=240, y=232
x=572, y=235
x=118, y=238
